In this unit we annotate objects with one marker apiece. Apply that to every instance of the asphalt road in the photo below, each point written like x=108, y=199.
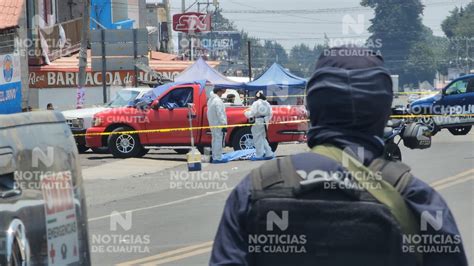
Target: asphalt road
x=153, y=211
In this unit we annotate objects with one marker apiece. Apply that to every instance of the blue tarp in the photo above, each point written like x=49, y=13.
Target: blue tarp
x=276, y=77
x=201, y=70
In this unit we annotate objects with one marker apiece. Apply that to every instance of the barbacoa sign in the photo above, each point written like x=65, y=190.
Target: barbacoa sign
x=60, y=79
x=192, y=22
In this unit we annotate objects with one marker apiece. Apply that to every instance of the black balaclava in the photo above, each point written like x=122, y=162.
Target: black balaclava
x=349, y=96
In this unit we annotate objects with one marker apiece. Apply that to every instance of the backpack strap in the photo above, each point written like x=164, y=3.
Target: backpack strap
x=381, y=189
x=280, y=171
x=396, y=174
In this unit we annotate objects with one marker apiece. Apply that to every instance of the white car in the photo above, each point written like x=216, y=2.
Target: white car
x=81, y=119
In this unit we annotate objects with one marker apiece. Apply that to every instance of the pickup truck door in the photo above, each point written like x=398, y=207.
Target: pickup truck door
x=172, y=113
x=458, y=99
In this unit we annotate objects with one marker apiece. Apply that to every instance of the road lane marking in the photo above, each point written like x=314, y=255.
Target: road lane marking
x=162, y=204
x=172, y=254
x=453, y=180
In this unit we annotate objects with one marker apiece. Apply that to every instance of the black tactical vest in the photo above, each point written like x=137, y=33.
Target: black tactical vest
x=324, y=224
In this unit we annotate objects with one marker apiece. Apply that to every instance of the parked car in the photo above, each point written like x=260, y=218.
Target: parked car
x=81, y=119
x=157, y=114
x=43, y=218
x=413, y=97
x=452, y=108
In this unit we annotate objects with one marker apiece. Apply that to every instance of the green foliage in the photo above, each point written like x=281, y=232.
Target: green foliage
x=303, y=59
x=458, y=27
x=221, y=23
x=398, y=26
x=460, y=22
x=421, y=64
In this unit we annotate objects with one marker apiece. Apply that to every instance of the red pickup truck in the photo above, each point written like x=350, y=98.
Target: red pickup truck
x=169, y=110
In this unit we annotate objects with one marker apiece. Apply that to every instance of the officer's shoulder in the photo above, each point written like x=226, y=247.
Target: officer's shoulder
x=302, y=161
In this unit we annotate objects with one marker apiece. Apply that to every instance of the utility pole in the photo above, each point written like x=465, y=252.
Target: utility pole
x=83, y=53
x=169, y=45
x=249, y=48
x=468, y=58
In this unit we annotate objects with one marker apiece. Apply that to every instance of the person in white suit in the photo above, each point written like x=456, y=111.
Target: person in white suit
x=261, y=113
x=217, y=116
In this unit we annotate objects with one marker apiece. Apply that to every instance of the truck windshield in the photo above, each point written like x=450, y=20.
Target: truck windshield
x=123, y=98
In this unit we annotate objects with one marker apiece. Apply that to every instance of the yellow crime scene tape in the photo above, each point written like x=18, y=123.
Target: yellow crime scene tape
x=304, y=95
x=167, y=130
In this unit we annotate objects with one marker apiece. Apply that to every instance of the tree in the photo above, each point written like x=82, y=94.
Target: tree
x=458, y=28
x=459, y=23
x=302, y=59
x=221, y=23
x=421, y=64
x=398, y=26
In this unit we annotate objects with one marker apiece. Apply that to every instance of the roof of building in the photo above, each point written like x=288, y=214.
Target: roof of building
x=10, y=12
x=70, y=64
x=163, y=56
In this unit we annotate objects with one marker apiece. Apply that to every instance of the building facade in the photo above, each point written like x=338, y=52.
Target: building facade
x=13, y=59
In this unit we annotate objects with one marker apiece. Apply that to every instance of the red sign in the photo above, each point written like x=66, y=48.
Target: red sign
x=192, y=22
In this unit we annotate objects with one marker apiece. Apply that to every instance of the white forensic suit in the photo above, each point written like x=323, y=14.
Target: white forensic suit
x=261, y=112
x=217, y=117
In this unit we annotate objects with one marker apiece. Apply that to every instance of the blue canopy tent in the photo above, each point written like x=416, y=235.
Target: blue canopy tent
x=282, y=86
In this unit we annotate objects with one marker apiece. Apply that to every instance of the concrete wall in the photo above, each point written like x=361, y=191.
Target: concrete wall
x=65, y=98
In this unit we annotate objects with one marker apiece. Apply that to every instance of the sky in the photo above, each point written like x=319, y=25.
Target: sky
x=320, y=17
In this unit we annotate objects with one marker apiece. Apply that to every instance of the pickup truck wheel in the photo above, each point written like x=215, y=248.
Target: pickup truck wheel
x=124, y=145
x=243, y=140
x=460, y=131
x=82, y=148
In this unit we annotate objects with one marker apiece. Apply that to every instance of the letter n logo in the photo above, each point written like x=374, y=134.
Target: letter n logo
x=125, y=222
x=281, y=222
x=350, y=24
x=46, y=158
x=435, y=222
